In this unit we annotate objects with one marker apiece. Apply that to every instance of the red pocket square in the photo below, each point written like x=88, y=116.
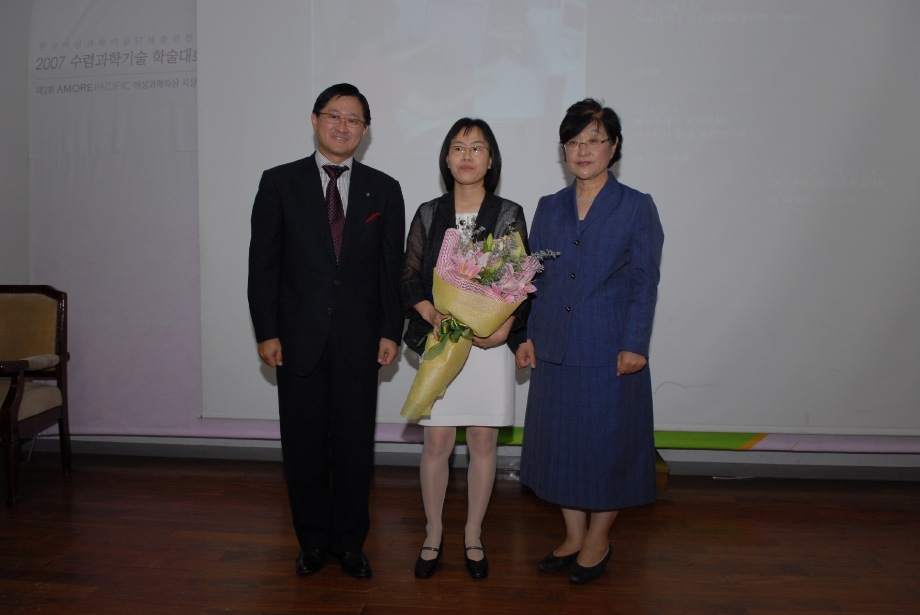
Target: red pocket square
x=372, y=217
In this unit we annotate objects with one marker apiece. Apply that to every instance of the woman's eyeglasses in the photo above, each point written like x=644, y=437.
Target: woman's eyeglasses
x=474, y=150
x=591, y=144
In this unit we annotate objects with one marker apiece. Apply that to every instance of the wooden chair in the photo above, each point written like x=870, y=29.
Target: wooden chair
x=33, y=372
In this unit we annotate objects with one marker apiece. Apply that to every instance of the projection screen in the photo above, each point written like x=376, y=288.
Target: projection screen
x=780, y=141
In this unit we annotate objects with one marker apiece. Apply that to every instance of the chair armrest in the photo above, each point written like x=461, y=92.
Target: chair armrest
x=34, y=364
x=42, y=361
x=11, y=367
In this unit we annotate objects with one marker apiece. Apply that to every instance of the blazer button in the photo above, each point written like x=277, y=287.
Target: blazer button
x=577, y=242
x=568, y=308
x=336, y=282
x=329, y=310
x=572, y=276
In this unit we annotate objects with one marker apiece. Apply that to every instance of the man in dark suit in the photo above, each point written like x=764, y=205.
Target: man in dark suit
x=324, y=304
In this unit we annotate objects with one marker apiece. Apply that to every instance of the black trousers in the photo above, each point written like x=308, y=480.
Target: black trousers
x=328, y=418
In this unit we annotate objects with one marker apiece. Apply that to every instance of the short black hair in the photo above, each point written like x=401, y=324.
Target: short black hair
x=338, y=90
x=590, y=111
x=465, y=125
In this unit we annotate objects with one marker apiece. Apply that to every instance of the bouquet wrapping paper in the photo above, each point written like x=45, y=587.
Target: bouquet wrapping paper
x=471, y=303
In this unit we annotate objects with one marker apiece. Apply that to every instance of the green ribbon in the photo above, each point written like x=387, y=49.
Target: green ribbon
x=451, y=330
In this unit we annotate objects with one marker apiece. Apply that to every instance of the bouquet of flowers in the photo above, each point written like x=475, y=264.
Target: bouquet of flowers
x=479, y=284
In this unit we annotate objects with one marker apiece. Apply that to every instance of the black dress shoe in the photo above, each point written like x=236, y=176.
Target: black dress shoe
x=310, y=561
x=355, y=564
x=581, y=574
x=557, y=563
x=424, y=568
x=477, y=569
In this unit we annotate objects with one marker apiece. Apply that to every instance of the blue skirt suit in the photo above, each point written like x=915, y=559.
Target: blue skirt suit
x=589, y=434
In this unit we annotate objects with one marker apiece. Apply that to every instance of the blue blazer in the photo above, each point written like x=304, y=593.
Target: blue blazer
x=598, y=296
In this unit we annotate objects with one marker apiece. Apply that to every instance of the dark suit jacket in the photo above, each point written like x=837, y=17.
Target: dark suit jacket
x=598, y=296
x=297, y=292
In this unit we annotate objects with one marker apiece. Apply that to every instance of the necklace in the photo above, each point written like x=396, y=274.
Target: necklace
x=584, y=201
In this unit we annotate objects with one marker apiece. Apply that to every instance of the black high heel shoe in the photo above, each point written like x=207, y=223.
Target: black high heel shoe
x=424, y=568
x=582, y=574
x=557, y=563
x=477, y=569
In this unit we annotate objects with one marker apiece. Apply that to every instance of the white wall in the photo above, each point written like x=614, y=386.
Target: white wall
x=14, y=178
x=113, y=188
x=801, y=176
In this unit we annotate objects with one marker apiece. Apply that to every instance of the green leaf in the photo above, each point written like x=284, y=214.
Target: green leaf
x=435, y=351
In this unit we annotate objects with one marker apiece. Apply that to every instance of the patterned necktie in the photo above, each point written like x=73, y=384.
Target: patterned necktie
x=334, y=206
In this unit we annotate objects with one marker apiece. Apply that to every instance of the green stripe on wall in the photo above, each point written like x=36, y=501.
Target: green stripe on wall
x=512, y=436
x=706, y=440
x=507, y=436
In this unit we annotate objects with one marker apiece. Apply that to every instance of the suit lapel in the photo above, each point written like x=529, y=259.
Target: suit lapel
x=606, y=202
x=308, y=190
x=568, y=208
x=360, y=200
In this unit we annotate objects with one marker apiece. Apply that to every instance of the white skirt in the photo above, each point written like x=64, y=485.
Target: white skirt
x=482, y=394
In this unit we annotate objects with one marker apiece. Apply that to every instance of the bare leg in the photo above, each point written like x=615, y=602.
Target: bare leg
x=482, y=444
x=434, y=472
x=597, y=538
x=576, y=526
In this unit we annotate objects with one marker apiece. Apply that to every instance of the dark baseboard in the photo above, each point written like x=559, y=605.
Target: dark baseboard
x=721, y=465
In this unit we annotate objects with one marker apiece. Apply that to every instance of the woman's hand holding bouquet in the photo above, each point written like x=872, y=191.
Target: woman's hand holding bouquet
x=477, y=285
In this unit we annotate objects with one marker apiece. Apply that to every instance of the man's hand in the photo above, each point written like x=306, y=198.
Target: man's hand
x=270, y=351
x=387, y=351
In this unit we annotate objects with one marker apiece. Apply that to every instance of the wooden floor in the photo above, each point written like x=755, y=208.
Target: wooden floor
x=145, y=535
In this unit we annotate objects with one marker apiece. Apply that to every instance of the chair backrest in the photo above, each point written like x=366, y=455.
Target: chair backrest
x=31, y=321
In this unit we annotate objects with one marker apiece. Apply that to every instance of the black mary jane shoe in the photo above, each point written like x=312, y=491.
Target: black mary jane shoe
x=477, y=569
x=581, y=574
x=557, y=563
x=424, y=568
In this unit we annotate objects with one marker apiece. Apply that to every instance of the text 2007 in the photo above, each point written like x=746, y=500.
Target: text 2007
x=49, y=63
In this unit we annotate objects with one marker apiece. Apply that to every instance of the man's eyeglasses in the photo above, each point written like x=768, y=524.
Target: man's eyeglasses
x=474, y=150
x=591, y=144
x=335, y=118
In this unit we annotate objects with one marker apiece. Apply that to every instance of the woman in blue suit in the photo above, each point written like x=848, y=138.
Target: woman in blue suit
x=588, y=435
